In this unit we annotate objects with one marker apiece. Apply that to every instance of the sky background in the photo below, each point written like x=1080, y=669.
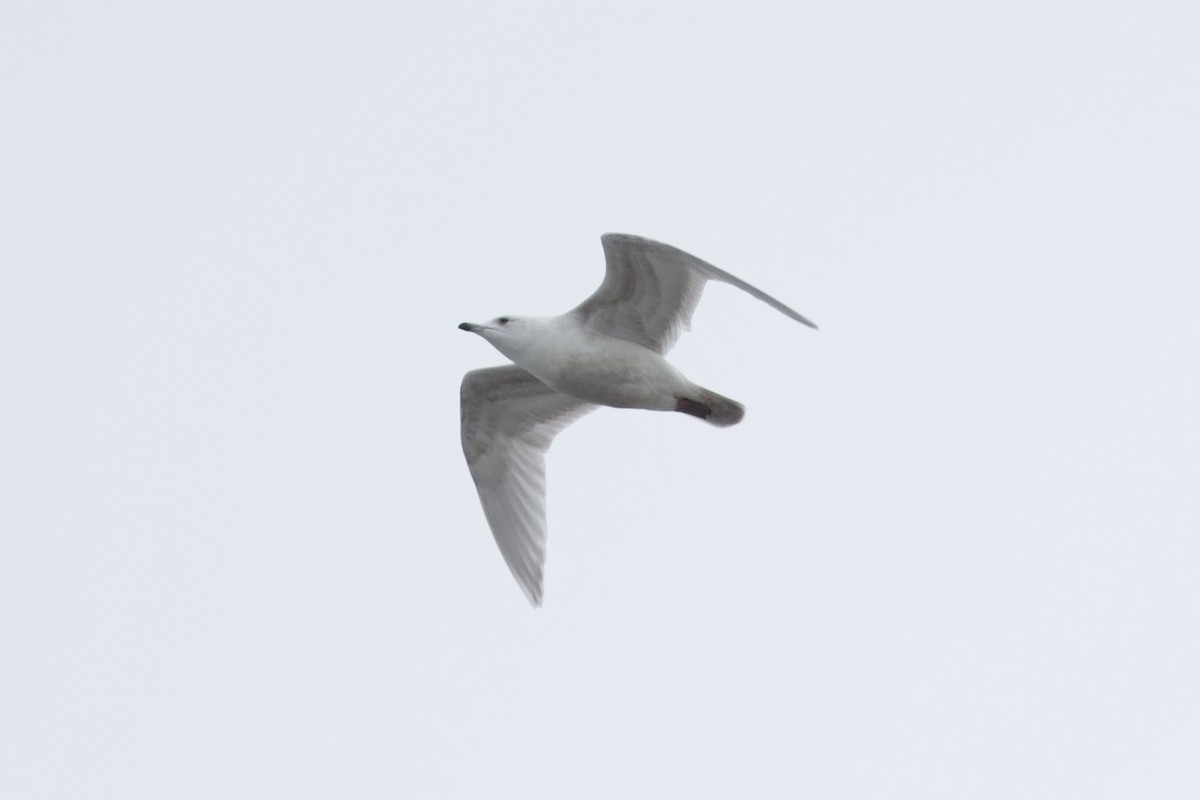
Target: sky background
x=951, y=552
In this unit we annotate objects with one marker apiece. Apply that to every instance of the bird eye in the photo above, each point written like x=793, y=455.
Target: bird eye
x=503, y=320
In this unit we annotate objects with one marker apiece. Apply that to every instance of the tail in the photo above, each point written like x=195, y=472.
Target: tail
x=711, y=407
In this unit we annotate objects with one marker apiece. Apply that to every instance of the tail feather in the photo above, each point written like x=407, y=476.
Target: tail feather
x=711, y=407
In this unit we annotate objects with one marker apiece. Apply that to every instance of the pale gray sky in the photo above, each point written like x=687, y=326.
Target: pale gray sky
x=951, y=552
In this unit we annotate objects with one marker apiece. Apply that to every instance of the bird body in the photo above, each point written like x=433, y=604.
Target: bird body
x=608, y=351
x=586, y=364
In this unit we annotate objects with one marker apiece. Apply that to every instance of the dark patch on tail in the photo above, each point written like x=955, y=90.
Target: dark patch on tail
x=713, y=408
x=692, y=407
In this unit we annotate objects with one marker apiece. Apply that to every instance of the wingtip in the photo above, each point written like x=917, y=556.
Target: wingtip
x=803, y=320
x=531, y=588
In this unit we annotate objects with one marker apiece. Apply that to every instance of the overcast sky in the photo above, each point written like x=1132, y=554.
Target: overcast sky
x=951, y=552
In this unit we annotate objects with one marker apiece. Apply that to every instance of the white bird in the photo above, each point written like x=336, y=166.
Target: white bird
x=606, y=352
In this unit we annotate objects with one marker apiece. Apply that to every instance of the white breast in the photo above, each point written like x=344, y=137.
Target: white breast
x=603, y=369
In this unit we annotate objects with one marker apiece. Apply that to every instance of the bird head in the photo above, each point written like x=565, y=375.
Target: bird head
x=509, y=335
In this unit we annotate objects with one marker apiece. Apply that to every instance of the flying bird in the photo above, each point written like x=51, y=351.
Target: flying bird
x=608, y=351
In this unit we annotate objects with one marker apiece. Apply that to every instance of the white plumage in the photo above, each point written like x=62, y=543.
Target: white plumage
x=607, y=351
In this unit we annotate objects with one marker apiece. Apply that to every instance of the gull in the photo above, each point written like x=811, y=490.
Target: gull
x=608, y=351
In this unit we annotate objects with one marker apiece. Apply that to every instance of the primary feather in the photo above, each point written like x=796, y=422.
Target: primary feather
x=509, y=419
x=651, y=289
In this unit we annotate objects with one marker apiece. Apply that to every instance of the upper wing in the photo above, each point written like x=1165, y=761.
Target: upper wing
x=509, y=419
x=650, y=290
